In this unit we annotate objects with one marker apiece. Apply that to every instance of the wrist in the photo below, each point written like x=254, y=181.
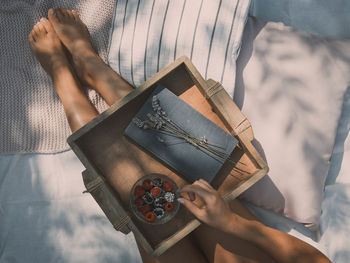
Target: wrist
x=232, y=224
x=241, y=227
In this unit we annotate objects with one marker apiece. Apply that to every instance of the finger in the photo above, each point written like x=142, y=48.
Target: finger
x=204, y=184
x=190, y=206
x=191, y=196
x=200, y=191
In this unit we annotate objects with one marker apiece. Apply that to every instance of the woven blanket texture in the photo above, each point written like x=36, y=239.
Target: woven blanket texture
x=32, y=117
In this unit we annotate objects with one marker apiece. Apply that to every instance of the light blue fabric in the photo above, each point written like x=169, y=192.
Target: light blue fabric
x=324, y=17
x=45, y=217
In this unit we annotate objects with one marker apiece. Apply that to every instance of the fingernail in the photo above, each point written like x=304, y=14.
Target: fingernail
x=52, y=11
x=180, y=200
x=43, y=20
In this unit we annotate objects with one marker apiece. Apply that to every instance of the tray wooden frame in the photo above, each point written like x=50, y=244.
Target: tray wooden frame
x=229, y=114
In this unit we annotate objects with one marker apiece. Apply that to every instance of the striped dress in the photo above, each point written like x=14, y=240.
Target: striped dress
x=147, y=35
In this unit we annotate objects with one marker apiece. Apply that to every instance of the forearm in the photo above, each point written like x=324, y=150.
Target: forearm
x=280, y=246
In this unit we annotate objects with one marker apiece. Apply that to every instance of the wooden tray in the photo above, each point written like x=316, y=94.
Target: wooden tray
x=113, y=163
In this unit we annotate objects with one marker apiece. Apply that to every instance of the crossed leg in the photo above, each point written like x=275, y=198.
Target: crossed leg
x=50, y=53
x=65, y=26
x=45, y=40
x=220, y=247
x=89, y=67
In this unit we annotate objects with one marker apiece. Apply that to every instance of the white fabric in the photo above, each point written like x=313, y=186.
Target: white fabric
x=334, y=232
x=291, y=84
x=45, y=218
x=147, y=35
x=335, y=218
x=32, y=116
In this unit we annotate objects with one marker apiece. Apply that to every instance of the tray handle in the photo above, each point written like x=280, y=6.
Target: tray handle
x=106, y=199
x=235, y=119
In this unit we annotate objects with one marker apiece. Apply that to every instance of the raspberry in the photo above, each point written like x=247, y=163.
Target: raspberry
x=168, y=186
x=144, y=209
x=147, y=184
x=139, y=201
x=155, y=191
x=139, y=191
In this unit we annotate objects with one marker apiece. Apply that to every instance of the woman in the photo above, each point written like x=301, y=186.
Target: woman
x=230, y=233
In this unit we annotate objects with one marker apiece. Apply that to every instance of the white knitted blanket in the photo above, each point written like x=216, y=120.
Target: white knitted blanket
x=31, y=116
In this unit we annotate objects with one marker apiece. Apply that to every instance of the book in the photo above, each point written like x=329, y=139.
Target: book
x=200, y=153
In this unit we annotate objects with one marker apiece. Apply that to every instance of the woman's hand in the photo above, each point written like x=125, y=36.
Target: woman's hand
x=215, y=211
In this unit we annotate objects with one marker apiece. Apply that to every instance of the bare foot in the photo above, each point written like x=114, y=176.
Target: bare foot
x=47, y=47
x=71, y=30
x=75, y=37
x=90, y=68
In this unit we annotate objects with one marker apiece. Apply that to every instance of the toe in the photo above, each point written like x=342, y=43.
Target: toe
x=42, y=31
x=52, y=15
x=46, y=23
x=60, y=13
x=69, y=14
x=30, y=37
x=35, y=31
x=75, y=15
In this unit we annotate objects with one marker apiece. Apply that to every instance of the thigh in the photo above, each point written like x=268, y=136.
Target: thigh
x=222, y=247
x=185, y=251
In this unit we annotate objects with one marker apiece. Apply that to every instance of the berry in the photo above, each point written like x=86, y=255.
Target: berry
x=144, y=209
x=159, y=202
x=169, y=206
x=155, y=191
x=169, y=197
x=148, y=198
x=139, y=201
x=159, y=212
x=139, y=191
x=168, y=186
x=150, y=217
x=147, y=184
x=157, y=182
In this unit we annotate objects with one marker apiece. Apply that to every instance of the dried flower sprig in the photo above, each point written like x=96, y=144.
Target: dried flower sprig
x=161, y=123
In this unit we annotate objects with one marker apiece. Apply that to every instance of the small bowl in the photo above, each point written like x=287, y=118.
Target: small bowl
x=154, y=202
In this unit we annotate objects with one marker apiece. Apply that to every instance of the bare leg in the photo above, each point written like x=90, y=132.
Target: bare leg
x=184, y=251
x=89, y=66
x=220, y=247
x=217, y=247
x=49, y=51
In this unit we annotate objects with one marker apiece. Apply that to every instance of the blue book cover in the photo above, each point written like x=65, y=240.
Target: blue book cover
x=189, y=143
